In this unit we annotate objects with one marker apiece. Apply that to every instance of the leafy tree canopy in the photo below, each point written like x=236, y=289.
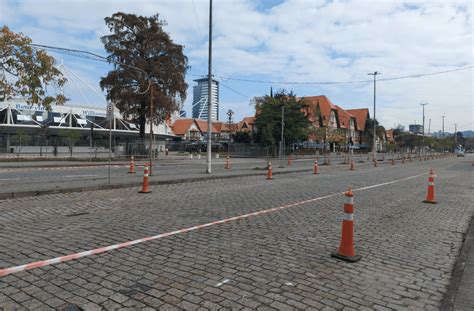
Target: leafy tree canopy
x=242, y=137
x=28, y=72
x=141, y=42
x=268, y=119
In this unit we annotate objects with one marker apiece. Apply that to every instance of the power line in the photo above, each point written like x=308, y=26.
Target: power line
x=233, y=90
x=96, y=57
x=340, y=82
x=197, y=20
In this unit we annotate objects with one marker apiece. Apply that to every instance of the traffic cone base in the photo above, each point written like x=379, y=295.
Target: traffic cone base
x=355, y=258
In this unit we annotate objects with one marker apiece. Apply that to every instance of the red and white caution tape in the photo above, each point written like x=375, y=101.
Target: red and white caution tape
x=70, y=257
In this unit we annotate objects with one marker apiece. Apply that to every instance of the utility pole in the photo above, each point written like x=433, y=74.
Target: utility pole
x=282, y=136
x=443, y=124
x=423, y=137
x=229, y=114
x=209, y=94
x=375, y=73
x=456, y=133
x=150, y=145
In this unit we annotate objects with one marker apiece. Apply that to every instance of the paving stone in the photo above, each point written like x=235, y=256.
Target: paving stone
x=408, y=249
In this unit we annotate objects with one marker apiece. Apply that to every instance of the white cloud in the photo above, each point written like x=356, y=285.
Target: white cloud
x=297, y=40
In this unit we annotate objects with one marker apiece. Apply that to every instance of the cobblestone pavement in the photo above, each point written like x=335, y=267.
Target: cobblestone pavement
x=278, y=260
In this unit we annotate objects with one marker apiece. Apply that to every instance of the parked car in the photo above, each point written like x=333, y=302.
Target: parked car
x=459, y=151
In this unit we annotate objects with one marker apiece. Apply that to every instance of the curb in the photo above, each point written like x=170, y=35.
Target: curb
x=61, y=165
x=458, y=270
x=33, y=193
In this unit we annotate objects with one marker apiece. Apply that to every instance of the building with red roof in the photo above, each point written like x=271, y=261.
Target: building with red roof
x=195, y=129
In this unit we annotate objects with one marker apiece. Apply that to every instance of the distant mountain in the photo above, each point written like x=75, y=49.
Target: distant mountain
x=464, y=134
x=468, y=133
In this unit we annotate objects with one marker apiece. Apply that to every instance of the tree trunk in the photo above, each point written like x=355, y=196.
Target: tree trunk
x=142, y=119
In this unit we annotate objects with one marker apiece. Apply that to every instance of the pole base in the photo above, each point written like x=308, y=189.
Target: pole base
x=131, y=172
x=346, y=258
x=141, y=191
x=431, y=202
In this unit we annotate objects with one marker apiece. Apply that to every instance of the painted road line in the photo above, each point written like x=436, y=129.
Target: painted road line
x=66, y=258
x=79, y=176
x=222, y=283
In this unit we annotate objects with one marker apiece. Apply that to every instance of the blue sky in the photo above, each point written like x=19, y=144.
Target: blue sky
x=293, y=40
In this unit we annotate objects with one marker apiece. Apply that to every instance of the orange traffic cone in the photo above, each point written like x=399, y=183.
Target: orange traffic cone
x=270, y=171
x=145, y=180
x=346, y=250
x=430, y=195
x=316, y=168
x=352, y=165
x=289, y=160
x=227, y=163
x=132, y=167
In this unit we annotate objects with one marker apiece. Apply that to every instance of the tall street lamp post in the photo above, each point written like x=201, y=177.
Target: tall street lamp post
x=374, y=148
x=209, y=94
x=443, y=125
x=423, y=132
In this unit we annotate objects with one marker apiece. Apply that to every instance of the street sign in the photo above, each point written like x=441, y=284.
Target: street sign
x=110, y=111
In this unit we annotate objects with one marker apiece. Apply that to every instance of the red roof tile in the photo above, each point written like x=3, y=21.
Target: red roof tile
x=202, y=124
x=325, y=107
x=344, y=117
x=181, y=126
x=361, y=116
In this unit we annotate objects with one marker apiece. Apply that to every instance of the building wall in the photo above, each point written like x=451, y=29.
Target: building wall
x=200, y=102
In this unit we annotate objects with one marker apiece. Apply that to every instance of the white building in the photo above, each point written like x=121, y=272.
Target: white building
x=35, y=121
x=200, y=100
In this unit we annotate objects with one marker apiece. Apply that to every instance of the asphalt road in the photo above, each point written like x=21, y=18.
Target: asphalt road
x=247, y=243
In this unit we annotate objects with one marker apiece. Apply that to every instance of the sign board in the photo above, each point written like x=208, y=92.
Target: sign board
x=110, y=111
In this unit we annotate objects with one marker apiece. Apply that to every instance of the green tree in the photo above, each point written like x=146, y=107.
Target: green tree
x=408, y=140
x=71, y=137
x=268, y=119
x=469, y=144
x=141, y=42
x=242, y=137
x=369, y=131
x=30, y=71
